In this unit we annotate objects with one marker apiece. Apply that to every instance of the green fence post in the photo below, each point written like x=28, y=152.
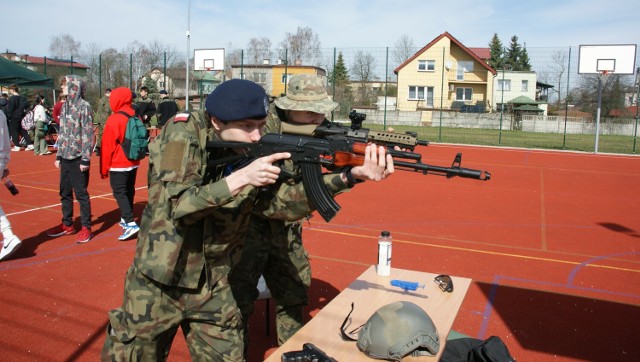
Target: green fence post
x=566, y=102
x=635, y=128
x=386, y=80
x=441, y=96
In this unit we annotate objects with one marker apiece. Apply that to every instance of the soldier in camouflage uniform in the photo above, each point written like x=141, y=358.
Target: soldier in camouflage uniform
x=102, y=113
x=273, y=248
x=193, y=228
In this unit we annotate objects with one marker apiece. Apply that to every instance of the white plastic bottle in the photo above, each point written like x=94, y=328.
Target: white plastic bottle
x=384, y=254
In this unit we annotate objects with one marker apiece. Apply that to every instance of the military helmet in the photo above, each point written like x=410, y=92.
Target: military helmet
x=397, y=330
x=306, y=92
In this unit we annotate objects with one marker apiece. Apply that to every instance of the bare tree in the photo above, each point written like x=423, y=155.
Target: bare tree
x=159, y=50
x=232, y=57
x=403, y=49
x=258, y=49
x=363, y=72
x=303, y=46
x=140, y=61
x=63, y=46
x=556, y=72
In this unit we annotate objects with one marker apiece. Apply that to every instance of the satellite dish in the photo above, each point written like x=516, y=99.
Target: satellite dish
x=447, y=66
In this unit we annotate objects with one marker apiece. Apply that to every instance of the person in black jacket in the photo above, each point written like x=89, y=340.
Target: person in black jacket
x=166, y=109
x=146, y=107
x=16, y=109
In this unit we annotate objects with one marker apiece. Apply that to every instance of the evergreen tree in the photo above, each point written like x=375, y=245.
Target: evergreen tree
x=340, y=73
x=496, y=51
x=523, y=60
x=341, y=91
x=513, y=53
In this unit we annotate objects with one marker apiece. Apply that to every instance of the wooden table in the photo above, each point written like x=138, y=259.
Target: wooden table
x=370, y=292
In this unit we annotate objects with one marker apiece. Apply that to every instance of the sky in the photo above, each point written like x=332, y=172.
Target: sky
x=338, y=23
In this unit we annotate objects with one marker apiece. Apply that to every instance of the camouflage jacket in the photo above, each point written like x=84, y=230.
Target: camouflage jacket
x=192, y=224
x=75, y=137
x=104, y=111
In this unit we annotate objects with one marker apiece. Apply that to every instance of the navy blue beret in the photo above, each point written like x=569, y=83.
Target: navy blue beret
x=237, y=99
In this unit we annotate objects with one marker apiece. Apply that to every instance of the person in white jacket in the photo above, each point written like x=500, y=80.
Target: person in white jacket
x=11, y=242
x=40, y=117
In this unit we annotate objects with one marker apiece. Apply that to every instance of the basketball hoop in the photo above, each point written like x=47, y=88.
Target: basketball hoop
x=604, y=75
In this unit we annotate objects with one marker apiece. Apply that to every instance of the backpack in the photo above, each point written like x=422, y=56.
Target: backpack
x=28, y=122
x=136, y=138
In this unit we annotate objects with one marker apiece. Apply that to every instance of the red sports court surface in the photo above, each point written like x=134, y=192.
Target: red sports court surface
x=551, y=243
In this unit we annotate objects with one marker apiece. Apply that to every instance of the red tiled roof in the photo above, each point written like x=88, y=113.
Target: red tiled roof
x=455, y=41
x=482, y=53
x=55, y=62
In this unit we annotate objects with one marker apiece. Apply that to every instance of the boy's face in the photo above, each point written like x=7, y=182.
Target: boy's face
x=64, y=89
x=305, y=117
x=247, y=130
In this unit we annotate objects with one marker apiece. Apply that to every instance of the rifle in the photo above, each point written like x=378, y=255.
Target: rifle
x=308, y=353
x=311, y=154
x=355, y=132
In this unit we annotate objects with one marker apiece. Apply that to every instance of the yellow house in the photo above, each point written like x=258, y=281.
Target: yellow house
x=272, y=77
x=444, y=74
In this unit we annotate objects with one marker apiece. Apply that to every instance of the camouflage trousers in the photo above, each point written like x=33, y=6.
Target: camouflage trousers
x=274, y=249
x=99, y=127
x=143, y=328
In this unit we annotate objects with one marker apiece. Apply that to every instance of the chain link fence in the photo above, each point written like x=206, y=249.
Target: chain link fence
x=455, y=103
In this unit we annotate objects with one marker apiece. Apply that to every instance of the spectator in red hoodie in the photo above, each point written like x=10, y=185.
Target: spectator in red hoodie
x=115, y=164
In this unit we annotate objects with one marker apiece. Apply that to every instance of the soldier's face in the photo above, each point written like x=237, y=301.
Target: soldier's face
x=248, y=130
x=305, y=117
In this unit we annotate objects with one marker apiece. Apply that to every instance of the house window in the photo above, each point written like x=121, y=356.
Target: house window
x=421, y=93
x=504, y=85
x=464, y=94
x=525, y=85
x=260, y=78
x=464, y=66
x=426, y=65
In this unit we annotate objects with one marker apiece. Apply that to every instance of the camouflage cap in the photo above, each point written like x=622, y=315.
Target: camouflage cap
x=305, y=92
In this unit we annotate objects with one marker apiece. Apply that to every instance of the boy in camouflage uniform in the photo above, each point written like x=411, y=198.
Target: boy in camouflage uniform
x=273, y=248
x=102, y=113
x=192, y=231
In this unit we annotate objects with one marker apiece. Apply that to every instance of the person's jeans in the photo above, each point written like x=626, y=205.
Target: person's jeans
x=72, y=180
x=123, y=184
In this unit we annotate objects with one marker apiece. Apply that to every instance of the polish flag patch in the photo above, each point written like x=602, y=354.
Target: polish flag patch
x=181, y=117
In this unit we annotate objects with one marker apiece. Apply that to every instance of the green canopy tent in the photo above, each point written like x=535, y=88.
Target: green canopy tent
x=12, y=73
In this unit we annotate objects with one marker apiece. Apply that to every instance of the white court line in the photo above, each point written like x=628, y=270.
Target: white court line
x=58, y=204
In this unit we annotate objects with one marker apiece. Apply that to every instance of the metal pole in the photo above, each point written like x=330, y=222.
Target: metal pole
x=598, y=113
x=386, y=81
x=333, y=75
x=501, y=108
x=441, y=95
x=566, y=103
x=100, y=74
x=286, y=63
x=635, y=128
x=186, y=98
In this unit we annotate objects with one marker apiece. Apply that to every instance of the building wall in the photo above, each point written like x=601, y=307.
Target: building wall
x=516, y=78
x=443, y=78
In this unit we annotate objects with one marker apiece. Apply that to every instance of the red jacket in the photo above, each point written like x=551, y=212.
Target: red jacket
x=111, y=154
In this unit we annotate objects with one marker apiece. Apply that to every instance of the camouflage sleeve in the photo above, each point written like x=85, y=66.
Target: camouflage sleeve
x=290, y=201
x=86, y=124
x=179, y=164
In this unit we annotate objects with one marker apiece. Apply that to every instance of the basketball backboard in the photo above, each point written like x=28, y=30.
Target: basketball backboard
x=609, y=58
x=208, y=59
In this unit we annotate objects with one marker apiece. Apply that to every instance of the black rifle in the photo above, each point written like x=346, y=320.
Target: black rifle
x=355, y=132
x=309, y=353
x=311, y=154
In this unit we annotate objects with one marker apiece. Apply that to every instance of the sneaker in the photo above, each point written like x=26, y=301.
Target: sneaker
x=84, y=235
x=46, y=153
x=16, y=148
x=9, y=247
x=29, y=148
x=129, y=230
x=122, y=223
x=60, y=230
